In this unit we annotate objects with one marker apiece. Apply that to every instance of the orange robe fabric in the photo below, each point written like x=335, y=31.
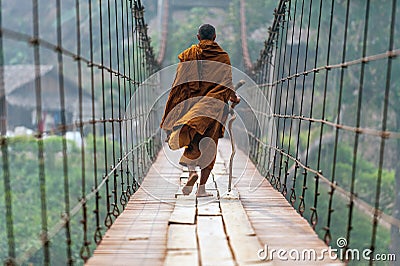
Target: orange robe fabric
x=197, y=102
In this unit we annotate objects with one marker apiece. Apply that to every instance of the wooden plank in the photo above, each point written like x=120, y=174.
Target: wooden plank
x=126, y=259
x=219, y=158
x=181, y=236
x=184, y=211
x=182, y=257
x=235, y=218
x=182, y=245
x=222, y=181
x=213, y=244
x=211, y=185
x=183, y=181
x=208, y=208
x=240, y=231
x=158, y=229
x=245, y=249
x=183, y=215
x=184, y=174
x=219, y=169
x=271, y=217
x=139, y=233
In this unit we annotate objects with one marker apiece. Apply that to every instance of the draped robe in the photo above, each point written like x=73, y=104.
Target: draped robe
x=197, y=103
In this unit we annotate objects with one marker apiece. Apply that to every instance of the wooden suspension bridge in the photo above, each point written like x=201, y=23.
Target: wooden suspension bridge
x=92, y=182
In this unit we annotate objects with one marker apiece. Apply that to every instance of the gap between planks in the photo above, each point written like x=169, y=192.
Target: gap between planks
x=222, y=228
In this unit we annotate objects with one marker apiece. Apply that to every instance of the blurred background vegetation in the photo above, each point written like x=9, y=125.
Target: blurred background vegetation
x=182, y=33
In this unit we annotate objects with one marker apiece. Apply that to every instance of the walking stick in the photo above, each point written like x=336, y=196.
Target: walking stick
x=233, y=117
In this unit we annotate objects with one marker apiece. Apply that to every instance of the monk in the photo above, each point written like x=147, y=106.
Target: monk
x=196, y=109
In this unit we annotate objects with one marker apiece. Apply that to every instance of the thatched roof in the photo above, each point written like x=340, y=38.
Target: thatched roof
x=16, y=76
x=19, y=81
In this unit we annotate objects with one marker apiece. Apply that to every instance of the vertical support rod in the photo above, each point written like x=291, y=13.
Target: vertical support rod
x=4, y=154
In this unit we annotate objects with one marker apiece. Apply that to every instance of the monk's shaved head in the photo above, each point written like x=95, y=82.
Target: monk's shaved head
x=206, y=32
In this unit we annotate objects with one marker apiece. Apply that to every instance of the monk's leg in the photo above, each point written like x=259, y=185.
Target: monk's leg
x=202, y=152
x=187, y=189
x=201, y=191
x=205, y=173
x=210, y=156
x=189, y=158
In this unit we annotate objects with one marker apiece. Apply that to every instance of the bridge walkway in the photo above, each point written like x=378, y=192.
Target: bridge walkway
x=160, y=226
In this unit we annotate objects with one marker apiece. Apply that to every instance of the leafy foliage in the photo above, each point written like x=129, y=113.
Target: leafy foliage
x=26, y=196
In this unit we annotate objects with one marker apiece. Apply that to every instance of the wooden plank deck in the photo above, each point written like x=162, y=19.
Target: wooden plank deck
x=162, y=227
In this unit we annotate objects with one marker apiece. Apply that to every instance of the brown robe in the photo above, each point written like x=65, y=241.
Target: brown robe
x=197, y=104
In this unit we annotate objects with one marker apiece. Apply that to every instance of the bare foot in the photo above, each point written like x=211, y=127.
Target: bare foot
x=201, y=192
x=204, y=194
x=187, y=189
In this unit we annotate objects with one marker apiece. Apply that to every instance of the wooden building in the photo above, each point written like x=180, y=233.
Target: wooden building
x=21, y=98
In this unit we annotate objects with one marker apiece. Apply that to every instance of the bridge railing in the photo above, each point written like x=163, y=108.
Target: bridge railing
x=76, y=136
x=329, y=73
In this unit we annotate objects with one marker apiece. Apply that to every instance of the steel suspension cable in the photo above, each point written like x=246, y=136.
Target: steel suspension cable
x=358, y=123
x=60, y=63
x=276, y=177
x=314, y=213
x=39, y=122
x=313, y=142
x=84, y=252
x=339, y=107
x=115, y=210
x=327, y=235
x=123, y=200
x=377, y=212
x=119, y=166
x=301, y=207
x=164, y=32
x=276, y=73
x=125, y=192
x=10, y=260
x=97, y=236
x=293, y=196
x=285, y=167
x=243, y=33
x=108, y=220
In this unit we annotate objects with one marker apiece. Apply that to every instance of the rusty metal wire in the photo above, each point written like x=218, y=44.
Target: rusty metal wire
x=164, y=32
x=243, y=34
x=125, y=53
x=384, y=218
x=365, y=59
x=289, y=72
